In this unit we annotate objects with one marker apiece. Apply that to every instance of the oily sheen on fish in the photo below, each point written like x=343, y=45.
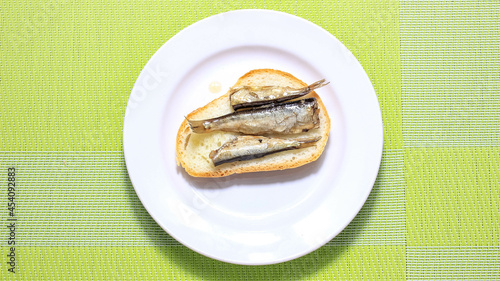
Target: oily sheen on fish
x=251, y=147
x=284, y=118
x=253, y=96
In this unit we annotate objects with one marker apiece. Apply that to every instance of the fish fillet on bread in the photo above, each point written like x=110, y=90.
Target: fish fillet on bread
x=193, y=149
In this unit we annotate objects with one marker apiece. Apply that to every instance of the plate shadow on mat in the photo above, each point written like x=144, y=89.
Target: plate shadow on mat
x=147, y=225
x=352, y=234
x=369, y=226
x=204, y=268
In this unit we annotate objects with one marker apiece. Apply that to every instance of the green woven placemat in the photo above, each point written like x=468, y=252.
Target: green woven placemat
x=66, y=72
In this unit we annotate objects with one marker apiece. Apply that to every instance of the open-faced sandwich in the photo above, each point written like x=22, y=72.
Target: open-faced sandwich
x=269, y=120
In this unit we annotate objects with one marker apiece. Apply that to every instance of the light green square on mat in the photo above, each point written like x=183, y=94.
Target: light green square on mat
x=453, y=263
x=450, y=73
x=77, y=199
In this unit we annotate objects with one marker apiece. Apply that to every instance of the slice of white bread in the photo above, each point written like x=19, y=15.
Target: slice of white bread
x=193, y=149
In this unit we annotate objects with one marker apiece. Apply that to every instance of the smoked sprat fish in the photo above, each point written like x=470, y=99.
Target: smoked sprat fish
x=285, y=118
x=252, y=96
x=251, y=147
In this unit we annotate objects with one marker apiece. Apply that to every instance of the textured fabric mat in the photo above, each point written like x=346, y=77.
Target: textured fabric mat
x=66, y=72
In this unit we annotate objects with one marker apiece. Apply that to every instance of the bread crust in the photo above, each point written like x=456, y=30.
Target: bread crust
x=254, y=77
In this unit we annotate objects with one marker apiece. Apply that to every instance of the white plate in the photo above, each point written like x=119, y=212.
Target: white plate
x=258, y=218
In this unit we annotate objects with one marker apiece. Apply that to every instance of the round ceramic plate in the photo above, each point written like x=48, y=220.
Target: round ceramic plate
x=255, y=218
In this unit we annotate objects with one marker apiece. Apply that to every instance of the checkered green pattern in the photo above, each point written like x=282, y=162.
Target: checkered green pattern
x=66, y=72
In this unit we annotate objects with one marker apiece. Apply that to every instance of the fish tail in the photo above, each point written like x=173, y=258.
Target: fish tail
x=317, y=84
x=197, y=126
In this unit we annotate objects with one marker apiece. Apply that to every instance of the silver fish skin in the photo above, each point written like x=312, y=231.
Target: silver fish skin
x=244, y=148
x=285, y=118
x=252, y=96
